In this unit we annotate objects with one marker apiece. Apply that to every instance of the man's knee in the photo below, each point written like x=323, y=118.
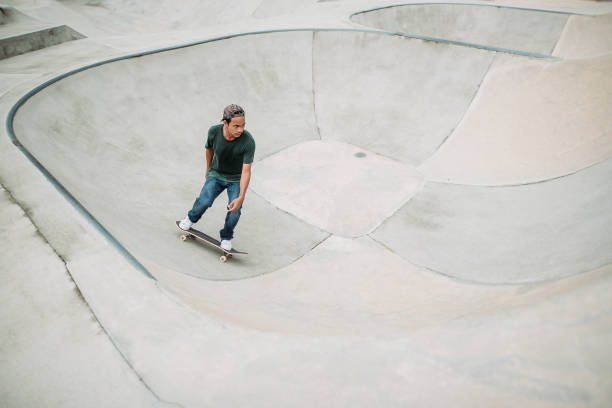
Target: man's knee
x=234, y=215
x=206, y=198
x=203, y=202
x=206, y=202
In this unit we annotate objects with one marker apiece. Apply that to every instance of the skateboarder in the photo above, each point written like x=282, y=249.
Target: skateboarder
x=229, y=154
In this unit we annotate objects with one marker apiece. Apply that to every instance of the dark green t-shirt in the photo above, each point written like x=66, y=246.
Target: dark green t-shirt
x=229, y=156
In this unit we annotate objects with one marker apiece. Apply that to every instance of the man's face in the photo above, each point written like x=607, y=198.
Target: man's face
x=235, y=127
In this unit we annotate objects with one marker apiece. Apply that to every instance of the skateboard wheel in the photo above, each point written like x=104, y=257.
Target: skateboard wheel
x=183, y=237
x=223, y=258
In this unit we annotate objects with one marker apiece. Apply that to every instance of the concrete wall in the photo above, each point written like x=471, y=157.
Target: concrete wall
x=501, y=27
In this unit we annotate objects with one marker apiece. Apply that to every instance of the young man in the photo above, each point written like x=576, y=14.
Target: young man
x=229, y=154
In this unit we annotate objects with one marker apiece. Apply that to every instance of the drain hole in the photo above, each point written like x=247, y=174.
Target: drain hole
x=360, y=155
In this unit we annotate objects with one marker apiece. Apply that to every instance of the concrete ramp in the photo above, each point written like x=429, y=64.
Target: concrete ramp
x=586, y=36
x=533, y=120
x=20, y=33
x=397, y=97
x=509, y=28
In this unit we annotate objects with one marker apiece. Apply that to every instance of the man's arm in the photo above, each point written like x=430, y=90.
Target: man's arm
x=209, y=156
x=245, y=178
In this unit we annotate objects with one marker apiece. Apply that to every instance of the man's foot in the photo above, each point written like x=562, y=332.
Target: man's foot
x=185, y=224
x=226, y=244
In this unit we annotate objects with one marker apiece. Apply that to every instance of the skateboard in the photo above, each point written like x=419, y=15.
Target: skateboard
x=193, y=233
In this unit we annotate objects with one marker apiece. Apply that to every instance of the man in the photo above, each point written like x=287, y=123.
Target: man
x=229, y=154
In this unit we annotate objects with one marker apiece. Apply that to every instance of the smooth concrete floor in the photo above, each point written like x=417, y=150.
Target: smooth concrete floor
x=427, y=224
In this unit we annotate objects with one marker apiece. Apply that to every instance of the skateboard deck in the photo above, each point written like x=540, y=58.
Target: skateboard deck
x=195, y=234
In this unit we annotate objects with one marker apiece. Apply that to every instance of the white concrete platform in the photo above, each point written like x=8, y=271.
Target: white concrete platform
x=427, y=224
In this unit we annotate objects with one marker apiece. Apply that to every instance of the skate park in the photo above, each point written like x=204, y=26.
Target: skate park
x=427, y=223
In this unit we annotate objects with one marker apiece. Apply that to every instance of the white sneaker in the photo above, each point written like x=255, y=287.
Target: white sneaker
x=227, y=245
x=185, y=224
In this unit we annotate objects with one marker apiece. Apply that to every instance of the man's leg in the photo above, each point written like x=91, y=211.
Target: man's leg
x=231, y=219
x=210, y=191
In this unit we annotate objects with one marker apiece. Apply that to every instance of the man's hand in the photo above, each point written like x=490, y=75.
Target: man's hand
x=245, y=178
x=235, y=205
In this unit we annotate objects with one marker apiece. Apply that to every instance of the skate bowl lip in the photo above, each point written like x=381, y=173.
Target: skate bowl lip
x=9, y=123
x=471, y=5
x=463, y=43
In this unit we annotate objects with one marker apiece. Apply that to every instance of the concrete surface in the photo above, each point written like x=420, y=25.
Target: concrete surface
x=568, y=131
x=585, y=36
x=20, y=33
x=428, y=222
x=509, y=28
x=50, y=336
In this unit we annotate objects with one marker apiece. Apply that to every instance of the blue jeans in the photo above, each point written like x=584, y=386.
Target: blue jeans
x=211, y=190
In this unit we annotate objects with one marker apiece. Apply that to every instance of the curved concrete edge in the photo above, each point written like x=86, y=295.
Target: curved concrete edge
x=472, y=44
x=81, y=208
x=67, y=195
x=523, y=234
x=585, y=37
x=329, y=292
x=551, y=121
x=416, y=112
x=475, y=4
